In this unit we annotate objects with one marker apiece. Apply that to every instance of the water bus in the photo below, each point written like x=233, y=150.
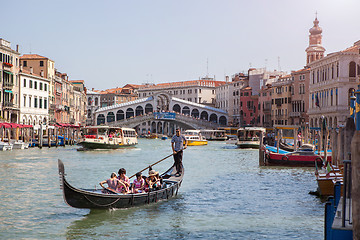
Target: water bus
x=214, y=135
x=249, y=137
x=194, y=138
x=105, y=137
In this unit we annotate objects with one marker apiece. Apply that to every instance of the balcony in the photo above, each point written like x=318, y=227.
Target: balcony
x=295, y=114
x=7, y=84
x=8, y=104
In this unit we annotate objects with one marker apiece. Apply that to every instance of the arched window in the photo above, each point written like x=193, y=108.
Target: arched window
x=177, y=108
x=213, y=118
x=195, y=113
x=96, y=101
x=204, y=115
x=148, y=108
x=129, y=113
x=139, y=111
x=186, y=110
x=222, y=120
x=352, y=69
x=110, y=117
x=100, y=119
x=119, y=115
x=89, y=101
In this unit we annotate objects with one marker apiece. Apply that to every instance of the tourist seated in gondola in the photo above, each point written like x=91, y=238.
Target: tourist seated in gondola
x=138, y=184
x=113, y=184
x=154, y=180
x=125, y=180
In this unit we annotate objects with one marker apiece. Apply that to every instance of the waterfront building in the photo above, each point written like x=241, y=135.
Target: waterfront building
x=78, y=105
x=44, y=67
x=299, y=97
x=117, y=95
x=259, y=77
x=281, y=100
x=198, y=91
x=93, y=104
x=248, y=107
x=9, y=82
x=333, y=79
x=34, y=98
x=228, y=97
x=265, y=96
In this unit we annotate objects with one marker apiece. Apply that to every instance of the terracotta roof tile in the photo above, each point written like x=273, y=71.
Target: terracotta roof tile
x=352, y=49
x=32, y=56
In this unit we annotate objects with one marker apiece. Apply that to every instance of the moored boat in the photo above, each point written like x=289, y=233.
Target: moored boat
x=105, y=137
x=249, y=137
x=96, y=199
x=300, y=158
x=194, y=138
x=5, y=146
x=214, y=135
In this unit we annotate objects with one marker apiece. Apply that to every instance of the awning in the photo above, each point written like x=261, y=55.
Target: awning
x=8, y=91
x=8, y=72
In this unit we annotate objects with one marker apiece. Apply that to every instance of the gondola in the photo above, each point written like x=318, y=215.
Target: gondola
x=96, y=199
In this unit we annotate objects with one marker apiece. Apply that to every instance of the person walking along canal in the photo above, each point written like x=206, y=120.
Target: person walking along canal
x=178, y=143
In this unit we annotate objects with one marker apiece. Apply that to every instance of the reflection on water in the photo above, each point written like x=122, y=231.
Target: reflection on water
x=225, y=194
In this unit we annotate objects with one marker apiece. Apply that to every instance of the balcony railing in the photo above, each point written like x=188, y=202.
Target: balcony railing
x=295, y=114
x=8, y=84
x=8, y=104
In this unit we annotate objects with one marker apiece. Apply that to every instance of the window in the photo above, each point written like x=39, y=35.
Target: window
x=41, y=86
x=41, y=63
x=25, y=63
x=24, y=101
x=45, y=103
x=29, y=101
x=24, y=82
x=35, y=102
x=30, y=83
x=40, y=103
x=35, y=85
x=199, y=90
x=45, y=86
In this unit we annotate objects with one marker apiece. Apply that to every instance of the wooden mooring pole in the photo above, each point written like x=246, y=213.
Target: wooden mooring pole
x=261, y=150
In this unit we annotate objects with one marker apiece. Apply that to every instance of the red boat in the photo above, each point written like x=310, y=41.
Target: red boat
x=299, y=158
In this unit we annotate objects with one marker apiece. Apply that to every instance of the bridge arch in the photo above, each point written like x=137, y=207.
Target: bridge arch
x=129, y=113
x=153, y=127
x=195, y=113
x=119, y=115
x=213, y=118
x=186, y=110
x=149, y=108
x=222, y=120
x=163, y=101
x=110, y=117
x=100, y=119
x=139, y=111
x=177, y=108
x=204, y=115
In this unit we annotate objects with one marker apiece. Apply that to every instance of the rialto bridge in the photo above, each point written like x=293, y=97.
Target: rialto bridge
x=162, y=114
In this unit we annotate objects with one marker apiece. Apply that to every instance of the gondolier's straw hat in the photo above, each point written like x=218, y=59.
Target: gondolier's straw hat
x=153, y=173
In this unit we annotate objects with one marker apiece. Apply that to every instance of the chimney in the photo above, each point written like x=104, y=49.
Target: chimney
x=21, y=68
x=17, y=47
x=31, y=70
x=42, y=73
x=92, y=89
x=227, y=79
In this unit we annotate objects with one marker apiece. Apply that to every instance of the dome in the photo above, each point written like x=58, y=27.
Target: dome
x=315, y=29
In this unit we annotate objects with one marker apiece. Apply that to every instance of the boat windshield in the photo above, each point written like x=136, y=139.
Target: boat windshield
x=248, y=135
x=90, y=131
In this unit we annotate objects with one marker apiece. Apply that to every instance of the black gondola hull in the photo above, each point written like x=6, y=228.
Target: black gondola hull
x=95, y=199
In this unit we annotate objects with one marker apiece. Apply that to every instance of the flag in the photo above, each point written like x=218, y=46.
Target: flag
x=328, y=170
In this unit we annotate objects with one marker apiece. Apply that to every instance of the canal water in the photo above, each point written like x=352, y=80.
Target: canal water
x=224, y=195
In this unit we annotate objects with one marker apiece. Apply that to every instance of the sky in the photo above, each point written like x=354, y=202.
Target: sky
x=111, y=43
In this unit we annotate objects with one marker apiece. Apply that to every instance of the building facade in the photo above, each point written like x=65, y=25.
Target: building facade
x=198, y=91
x=9, y=82
x=281, y=100
x=333, y=80
x=34, y=98
x=248, y=107
x=265, y=96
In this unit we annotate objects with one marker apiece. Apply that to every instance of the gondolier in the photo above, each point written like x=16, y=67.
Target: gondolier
x=178, y=143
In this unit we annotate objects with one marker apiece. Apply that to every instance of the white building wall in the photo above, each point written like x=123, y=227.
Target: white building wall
x=29, y=113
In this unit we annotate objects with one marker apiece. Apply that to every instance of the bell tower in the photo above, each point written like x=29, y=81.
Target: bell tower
x=315, y=50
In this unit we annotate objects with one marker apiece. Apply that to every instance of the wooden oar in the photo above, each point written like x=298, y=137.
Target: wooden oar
x=154, y=164
x=110, y=190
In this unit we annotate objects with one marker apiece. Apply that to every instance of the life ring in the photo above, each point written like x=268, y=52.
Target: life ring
x=101, y=138
x=110, y=139
x=285, y=158
x=128, y=141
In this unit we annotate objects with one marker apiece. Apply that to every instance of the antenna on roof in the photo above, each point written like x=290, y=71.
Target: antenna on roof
x=30, y=48
x=207, y=67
